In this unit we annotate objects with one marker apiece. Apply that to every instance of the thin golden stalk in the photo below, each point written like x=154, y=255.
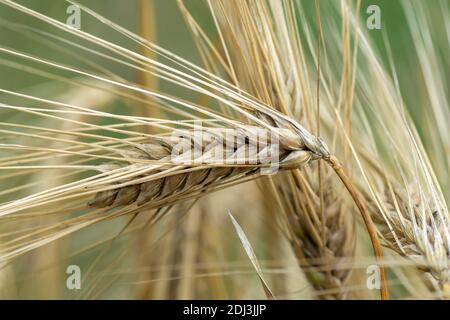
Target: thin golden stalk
x=370, y=225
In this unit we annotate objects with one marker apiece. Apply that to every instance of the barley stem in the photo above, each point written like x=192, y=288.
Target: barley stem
x=371, y=229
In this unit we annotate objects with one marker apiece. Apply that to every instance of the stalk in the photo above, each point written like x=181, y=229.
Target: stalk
x=370, y=225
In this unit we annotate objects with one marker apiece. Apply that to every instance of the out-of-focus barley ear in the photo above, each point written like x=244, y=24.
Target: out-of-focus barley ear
x=325, y=264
